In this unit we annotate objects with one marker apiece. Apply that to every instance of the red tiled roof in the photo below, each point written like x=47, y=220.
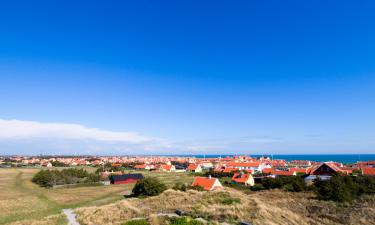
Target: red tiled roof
x=166, y=167
x=228, y=170
x=241, y=178
x=205, y=182
x=143, y=166
x=267, y=170
x=192, y=167
x=243, y=164
x=368, y=171
x=284, y=173
x=301, y=170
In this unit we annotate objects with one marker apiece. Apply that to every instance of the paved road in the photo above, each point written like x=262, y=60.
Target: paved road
x=71, y=217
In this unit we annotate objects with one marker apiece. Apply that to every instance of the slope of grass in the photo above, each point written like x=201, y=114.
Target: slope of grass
x=20, y=199
x=272, y=207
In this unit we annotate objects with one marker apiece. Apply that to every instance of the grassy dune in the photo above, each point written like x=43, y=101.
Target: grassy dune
x=273, y=207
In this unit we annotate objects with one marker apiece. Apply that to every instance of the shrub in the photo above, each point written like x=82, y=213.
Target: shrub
x=213, y=173
x=148, y=186
x=137, y=222
x=230, y=201
x=49, y=178
x=257, y=187
x=287, y=183
x=344, y=188
x=180, y=187
x=44, y=178
x=183, y=221
x=197, y=188
x=59, y=164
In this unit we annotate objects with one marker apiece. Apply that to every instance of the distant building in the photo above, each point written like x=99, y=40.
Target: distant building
x=46, y=164
x=125, y=178
x=195, y=168
x=207, y=183
x=284, y=173
x=167, y=168
x=243, y=179
x=254, y=166
x=143, y=167
x=327, y=169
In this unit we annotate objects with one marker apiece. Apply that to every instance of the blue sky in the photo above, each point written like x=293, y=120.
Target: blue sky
x=140, y=77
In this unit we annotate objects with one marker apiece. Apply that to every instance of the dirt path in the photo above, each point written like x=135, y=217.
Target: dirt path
x=71, y=216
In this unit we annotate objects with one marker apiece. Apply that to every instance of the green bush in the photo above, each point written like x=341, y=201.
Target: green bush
x=197, y=188
x=230, y=201
x=59, y=164
x=148, y=186
x=183, y=221
x=257, y=187
x=213, y=173
x=50, y=178
x=344, y=188
x=180, y=187
x=287, y=183
x=137, y=222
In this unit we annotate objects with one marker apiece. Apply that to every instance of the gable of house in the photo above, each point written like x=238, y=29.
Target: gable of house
x=207, y=183
x=326, y=169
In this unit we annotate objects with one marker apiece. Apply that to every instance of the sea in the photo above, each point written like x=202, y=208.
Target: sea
x=343, y=158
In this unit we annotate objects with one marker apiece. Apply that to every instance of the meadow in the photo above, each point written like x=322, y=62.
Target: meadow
x=21, y=200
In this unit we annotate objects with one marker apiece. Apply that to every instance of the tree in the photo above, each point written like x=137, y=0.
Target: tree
x=148, y=186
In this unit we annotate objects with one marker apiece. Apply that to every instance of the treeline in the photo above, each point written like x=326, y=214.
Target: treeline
x=50, y=178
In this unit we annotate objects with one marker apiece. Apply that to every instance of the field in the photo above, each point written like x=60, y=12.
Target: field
x=20, y=199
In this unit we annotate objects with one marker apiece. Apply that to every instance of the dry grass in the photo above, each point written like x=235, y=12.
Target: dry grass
x=50, y=220
x=20, y=199
x=269, y=207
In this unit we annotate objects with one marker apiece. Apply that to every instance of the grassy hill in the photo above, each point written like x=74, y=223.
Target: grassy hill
x=273, y=207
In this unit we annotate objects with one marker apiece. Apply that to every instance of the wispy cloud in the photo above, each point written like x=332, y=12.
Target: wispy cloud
x=65, y=138
x=32, y=137
x=19, y=129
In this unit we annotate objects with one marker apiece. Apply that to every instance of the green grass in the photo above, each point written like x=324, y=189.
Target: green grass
x=20, y=199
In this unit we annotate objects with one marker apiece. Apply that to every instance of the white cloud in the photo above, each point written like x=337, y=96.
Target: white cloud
x=32, y=137
x=19, y=129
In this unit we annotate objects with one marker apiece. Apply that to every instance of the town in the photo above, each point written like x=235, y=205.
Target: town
x=244, y=170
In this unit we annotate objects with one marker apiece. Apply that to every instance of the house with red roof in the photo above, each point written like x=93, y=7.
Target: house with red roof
x=243, y=179
x=369, y=171
x=300, y=170
x=254, y=166
x=207, y=183
x=167, y=168
x=327, y=169
x=229, y=170
x=143, y=167
x=284, y=173
x=194, y=168
x=46, y=164
x=267, y=170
